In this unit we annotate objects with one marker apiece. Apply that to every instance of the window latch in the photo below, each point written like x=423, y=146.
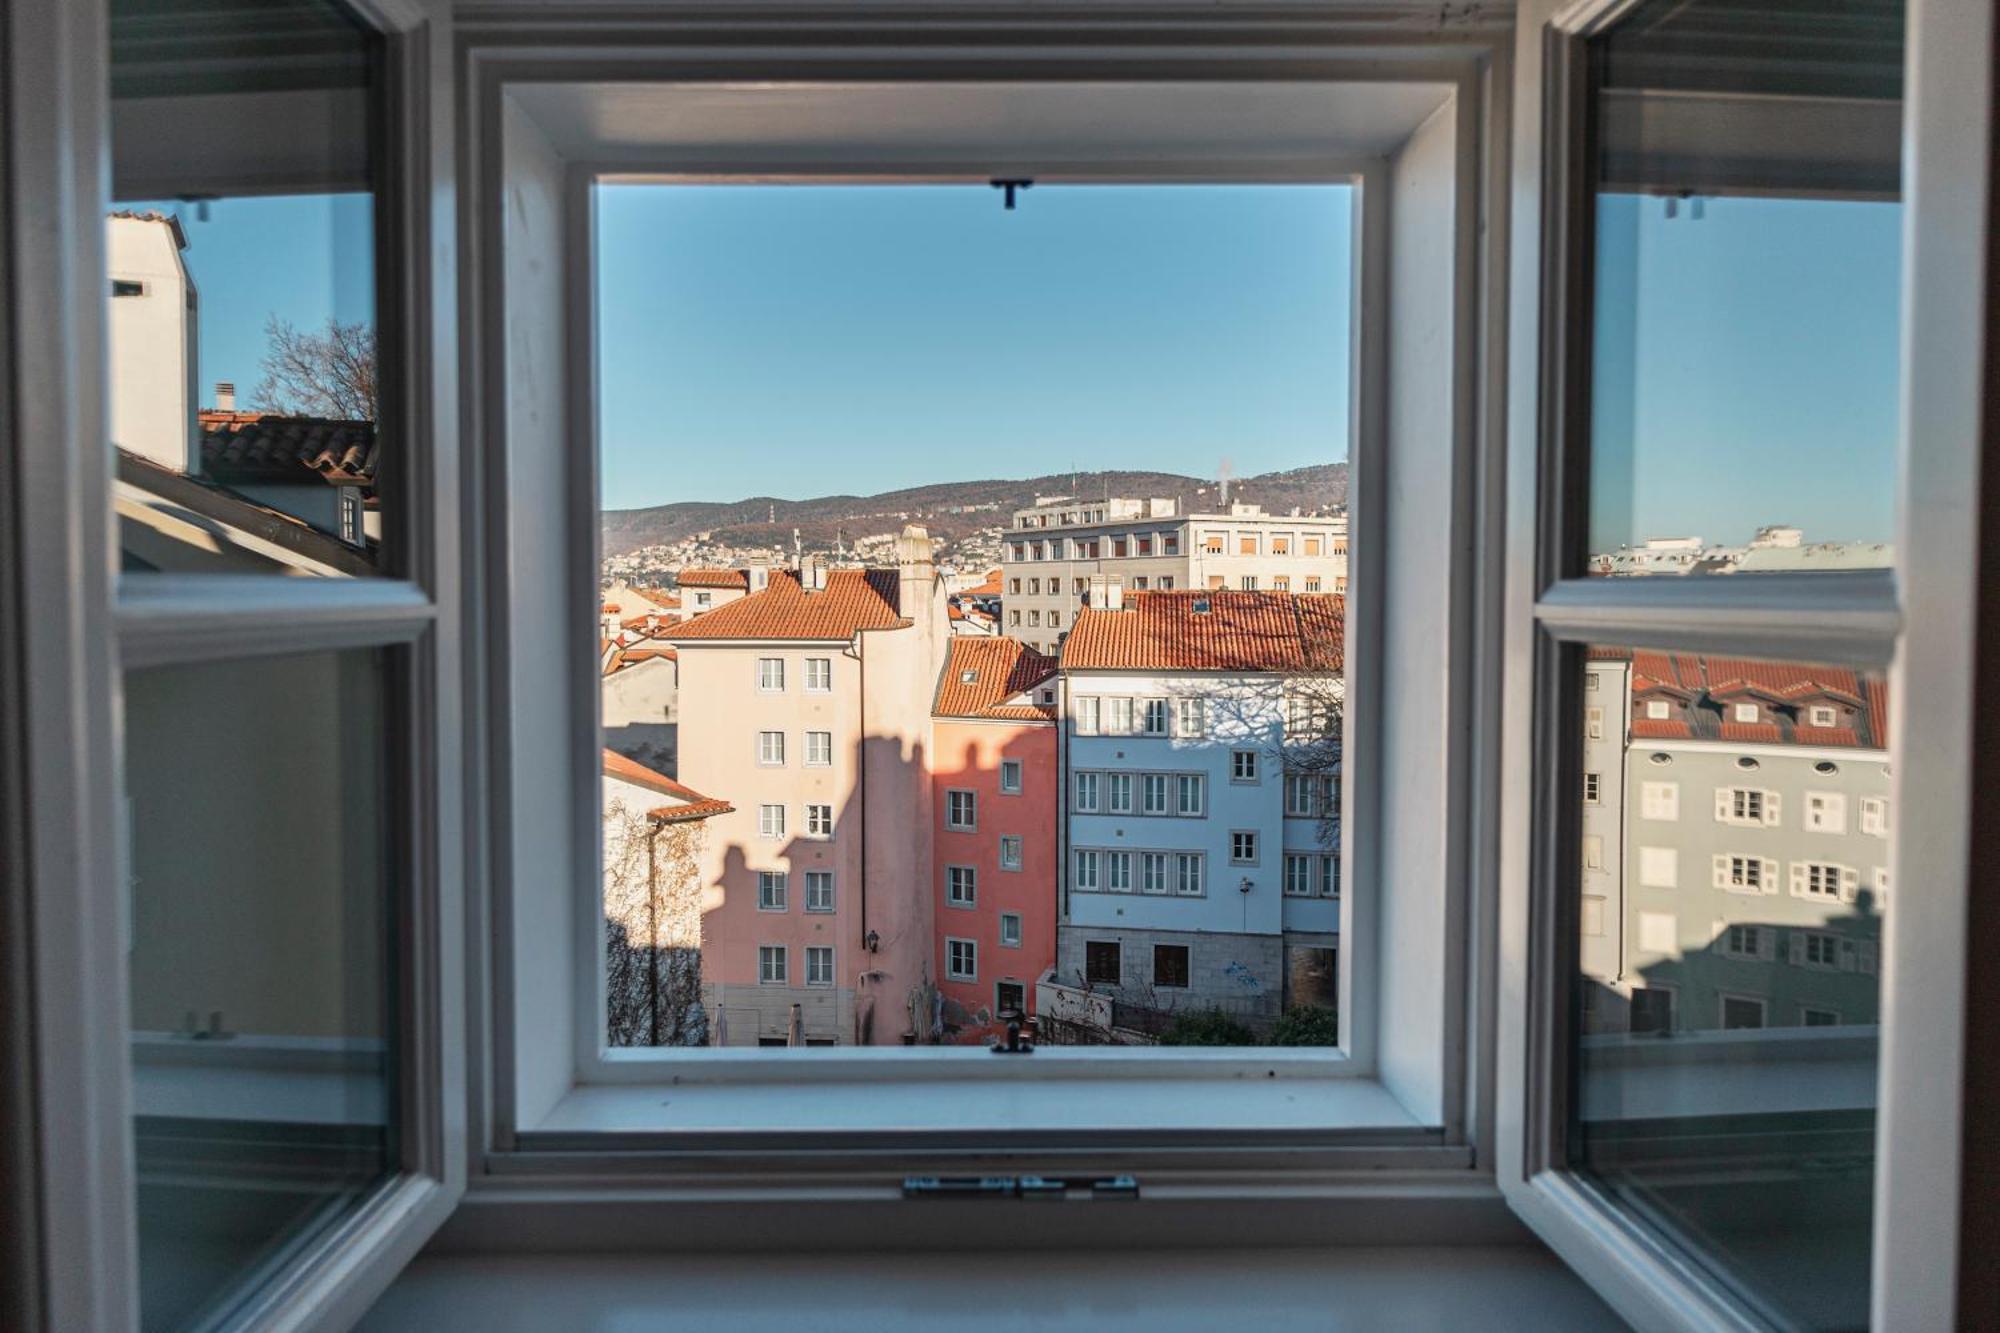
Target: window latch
x=1013, y=1043
x=1020, y=1187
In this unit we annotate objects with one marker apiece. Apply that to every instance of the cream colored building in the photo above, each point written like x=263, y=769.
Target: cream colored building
x=1055, y=548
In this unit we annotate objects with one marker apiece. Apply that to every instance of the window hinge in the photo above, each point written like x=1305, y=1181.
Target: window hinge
x=1020, y=1187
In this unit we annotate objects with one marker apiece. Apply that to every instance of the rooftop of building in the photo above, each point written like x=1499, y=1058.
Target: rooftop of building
x=685, y=802
x=1216, y=630
x=1706, y=687
x=852, y=600
x=270, y=447
x=738, y=579
x=994, y=679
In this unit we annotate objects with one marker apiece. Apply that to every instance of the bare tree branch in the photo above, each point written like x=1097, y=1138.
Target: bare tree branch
x=325, y=374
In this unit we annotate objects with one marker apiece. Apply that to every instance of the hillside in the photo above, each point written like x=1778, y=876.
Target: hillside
x=950, y=510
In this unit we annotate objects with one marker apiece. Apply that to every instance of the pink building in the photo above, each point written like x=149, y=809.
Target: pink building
x=995, y=790
x=809, y=702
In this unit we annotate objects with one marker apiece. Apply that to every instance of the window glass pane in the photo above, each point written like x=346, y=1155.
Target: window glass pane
x=996, y=774
x=263, y=1030
x=243, y=322
x=1728, y=996
x=1744, y=371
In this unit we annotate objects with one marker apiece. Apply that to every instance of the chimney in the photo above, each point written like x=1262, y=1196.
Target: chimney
x=812, y=573
x=225, y=396
x=1106, y=593
x=759, y=572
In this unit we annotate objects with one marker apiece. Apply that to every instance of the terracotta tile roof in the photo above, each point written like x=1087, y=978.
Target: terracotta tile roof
x=263, y=446
x=689, y=803
x=1216, y=630
x=621, y=658
x=990, y=588
x=1000, y=669
x=1709, y=684
x=738, y=579
x=853, y=599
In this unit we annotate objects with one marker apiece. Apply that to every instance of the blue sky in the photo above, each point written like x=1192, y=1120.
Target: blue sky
x=302, y=258
x=1747, y=369
x=805, y=340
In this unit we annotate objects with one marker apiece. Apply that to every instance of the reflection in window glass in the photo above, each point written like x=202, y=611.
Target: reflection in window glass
x=1042, y=745
x=1744, y=373
x=1702, y=1098
x=262, y=1058
x=243, y=337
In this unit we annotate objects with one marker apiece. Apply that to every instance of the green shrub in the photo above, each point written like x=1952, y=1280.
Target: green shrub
x=1208, y=1027
x=1307, y=1025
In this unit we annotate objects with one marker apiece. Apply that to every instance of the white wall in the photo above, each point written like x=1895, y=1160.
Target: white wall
x=1416, y=756
x=538, y=670
x=152, y=345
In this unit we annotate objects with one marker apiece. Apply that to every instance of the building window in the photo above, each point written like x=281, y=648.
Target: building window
x=1658, y=710
x=961, y=959
x=1313, y=545
x=1302, y=795
x=1086, y=872
x=961, y=885
x=1010, y=777
x=1191, y=794
x=1055, y=619
x=1741, y=1012
x=1014, y=617
x=1187, y=874
x=1086, y=715
x=127, y=287
x=1747, y=943
x=771, y=964
x=1118, y=716
x=1156, y=717
x=1034, y=619
x=770, y=675
x=1826, y=812
x=1014, y=587
x=1312, y=583
x=819, y=749
x=770, y=821
x=1010, y=851
x=1822, y=879
x=350, y=515
x=1652, y=1010
x=819, y=965
x=1153, y=872
x=1249, y=583
x=1190, y=716
x=1281, y=543
x=1246, y=544
x=961, y=809
x=819, y=675
x=819, y=821
x=1211, y=543
x=1746, y=712
x=1329, y=876
x=1009, y=997
x=1118, y=547
x=1242, y=847
x=1660, y=800
x=1810, y=1017
x=819, y=890
x=1010, y=930
x=1746, y=874
x=1593, y=851
x=1170, y=966
x=771, y=891
x=1243, y=766
x=771, y=748
x=1746, y=805
x=1100, y=962
x=1086, y=793
x=1593, y=788
x=1875, y=816
x=1170, y=544
x=1153, y=793
x=1593, y=723
x=1118, y=872
x=1298, y=875
x=1821, y=715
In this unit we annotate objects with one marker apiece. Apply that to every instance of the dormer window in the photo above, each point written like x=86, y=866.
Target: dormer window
x=1658, y=710
x=1745, y=712
x=1822, y=715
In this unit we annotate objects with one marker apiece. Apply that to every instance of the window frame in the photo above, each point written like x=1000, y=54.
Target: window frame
x=83, y=627
x=1913, y=620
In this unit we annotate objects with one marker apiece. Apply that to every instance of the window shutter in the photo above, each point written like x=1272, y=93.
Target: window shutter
x=1721, y=872
x=1770, y=809
x=1848, y=962
x=1798, y=879
x=1866, y=955
x=1770, y=877
x=1722, y=803
x=1850, y=879
x=1767, y=943
x=1797, y=946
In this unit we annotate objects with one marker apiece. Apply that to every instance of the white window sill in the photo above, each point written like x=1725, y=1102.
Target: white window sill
x=973, y=1091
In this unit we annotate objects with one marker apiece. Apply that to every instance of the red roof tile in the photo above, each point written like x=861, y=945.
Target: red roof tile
x=853, y=599
x=990, y=588
x=264, y=446
x=1000, y=669
x=1215, y=630
x=714, y=578
x=1749, y=731
x=692, y=804
x=1653, y=729
x=1825, y=736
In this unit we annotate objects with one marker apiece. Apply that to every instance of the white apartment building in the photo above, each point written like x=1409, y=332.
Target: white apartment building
x=1056, y=547
x=1185, y=885
x=1736, y=838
